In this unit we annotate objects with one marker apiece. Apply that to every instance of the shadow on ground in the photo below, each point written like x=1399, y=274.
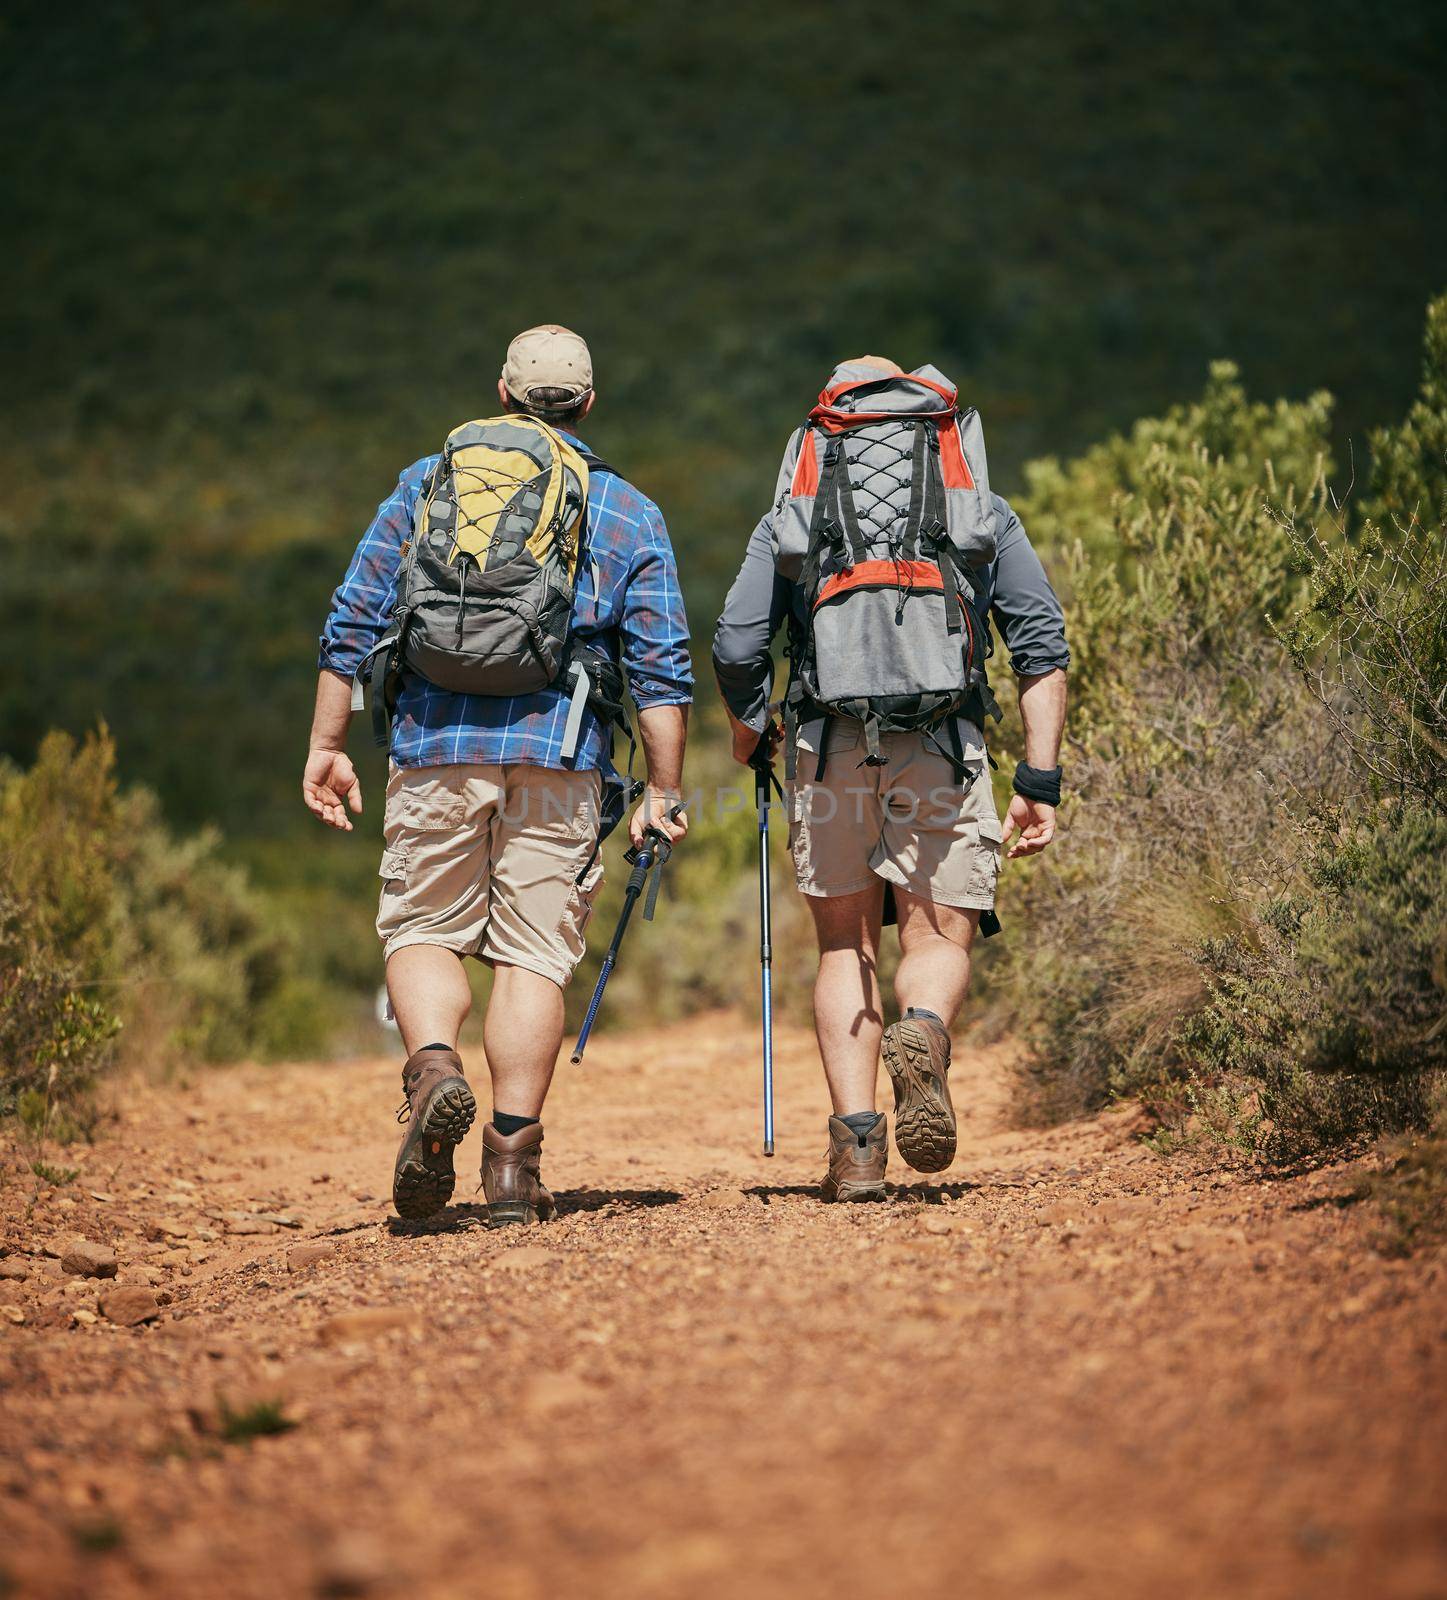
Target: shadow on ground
x=926, y=1193
x=473, y=1214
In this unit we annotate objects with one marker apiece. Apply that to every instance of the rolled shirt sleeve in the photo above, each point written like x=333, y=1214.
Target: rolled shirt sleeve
x=653, y=626
x=362, y=602
x=1025, y=607
x=757, y=604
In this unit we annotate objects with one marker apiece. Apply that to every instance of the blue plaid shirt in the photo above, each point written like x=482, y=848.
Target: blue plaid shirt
x=636, y=613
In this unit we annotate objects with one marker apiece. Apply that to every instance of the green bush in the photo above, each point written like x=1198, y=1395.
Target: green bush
x=107, y=920
x=1246, y=924
x=1322, y=1021
x=1410, y=1189
x=1409, y=462
x=1185, y=727
x=1370, y=635
x=1223, y=450
x=54, y=1037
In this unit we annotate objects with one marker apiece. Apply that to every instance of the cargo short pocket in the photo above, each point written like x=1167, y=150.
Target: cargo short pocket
x=987, y=857
x=393, y=870
x=578, y=913
x=392, y=904
x=429, y=800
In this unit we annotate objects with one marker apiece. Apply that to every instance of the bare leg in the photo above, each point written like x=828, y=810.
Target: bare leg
x=934, y=967
x=430, y=995
x=847, y=1016
x=523, y=1034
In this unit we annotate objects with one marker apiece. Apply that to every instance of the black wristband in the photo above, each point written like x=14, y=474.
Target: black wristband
x=1037, y=783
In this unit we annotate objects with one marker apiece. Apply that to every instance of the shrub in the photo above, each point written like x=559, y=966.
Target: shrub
x=1228, y=444
x=54, y=1037
x=1409, y=462
x=1248, y=925
x=194, y=946
x=1325, y=1011
x=1411, y=1188
x=1370, y=635
x=1186, y=726
x=107, y=919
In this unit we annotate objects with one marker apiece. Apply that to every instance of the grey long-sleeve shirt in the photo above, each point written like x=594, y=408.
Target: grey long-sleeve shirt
x=1022, y=606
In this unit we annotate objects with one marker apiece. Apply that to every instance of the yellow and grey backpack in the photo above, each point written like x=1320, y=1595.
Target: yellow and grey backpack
x=485, y=590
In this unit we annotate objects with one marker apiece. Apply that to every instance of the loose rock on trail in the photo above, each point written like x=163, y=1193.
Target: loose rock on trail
x=1066, y=1367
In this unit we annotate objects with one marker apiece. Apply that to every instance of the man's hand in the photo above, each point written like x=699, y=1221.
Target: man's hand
x=654, y=812
x=1036, y=823
x=330, y=785
x=746, y=740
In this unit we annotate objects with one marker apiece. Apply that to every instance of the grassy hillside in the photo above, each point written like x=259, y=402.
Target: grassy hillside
x=263, y=255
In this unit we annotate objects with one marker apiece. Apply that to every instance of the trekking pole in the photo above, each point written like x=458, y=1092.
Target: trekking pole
x=764, y=780
x=655, y=848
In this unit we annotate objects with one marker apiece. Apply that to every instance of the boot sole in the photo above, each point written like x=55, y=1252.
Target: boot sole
x=516, y=1213
x=854, y=1193
x=924, y=1121
x=424, y=1180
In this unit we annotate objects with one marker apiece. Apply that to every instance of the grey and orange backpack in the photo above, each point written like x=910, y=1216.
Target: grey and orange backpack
x=883, y=519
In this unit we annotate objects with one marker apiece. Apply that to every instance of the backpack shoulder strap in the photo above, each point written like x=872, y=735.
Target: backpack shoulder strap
x=920, y=497
x=425, y=492
x=594, y=464
x=824, y=527
x=848, y=515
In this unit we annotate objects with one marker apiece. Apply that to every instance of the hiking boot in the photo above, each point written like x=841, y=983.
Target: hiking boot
x=917, y=1054
x=856, y=1162
x=514, y=1190
x=438, y=1111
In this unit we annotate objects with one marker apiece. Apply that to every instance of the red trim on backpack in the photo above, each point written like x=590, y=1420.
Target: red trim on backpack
x=831, y=419
x=954, y=469
x=843, y=421
x=832, y=392
x=806, y=469
x=883, y=575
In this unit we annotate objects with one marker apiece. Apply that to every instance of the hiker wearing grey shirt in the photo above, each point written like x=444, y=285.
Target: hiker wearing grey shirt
x=891, y=809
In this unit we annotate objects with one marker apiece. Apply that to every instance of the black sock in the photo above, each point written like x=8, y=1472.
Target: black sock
x=861, y=1124
x=433, y=1047
x=507, y=1124
x=919, y=1011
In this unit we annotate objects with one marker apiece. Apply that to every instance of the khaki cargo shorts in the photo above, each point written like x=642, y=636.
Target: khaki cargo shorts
x=484, y=860
x=910, y=821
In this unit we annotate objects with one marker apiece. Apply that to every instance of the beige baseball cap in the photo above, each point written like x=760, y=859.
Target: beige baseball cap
x=548, y=357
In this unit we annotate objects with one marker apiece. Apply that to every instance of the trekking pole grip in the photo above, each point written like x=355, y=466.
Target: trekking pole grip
x=642, y=865
x=762, y=765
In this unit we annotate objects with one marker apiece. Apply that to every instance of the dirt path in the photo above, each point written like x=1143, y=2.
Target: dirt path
x=1069, y=1369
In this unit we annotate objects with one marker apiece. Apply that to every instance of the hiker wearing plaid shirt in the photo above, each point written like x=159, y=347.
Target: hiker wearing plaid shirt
x=495, y=803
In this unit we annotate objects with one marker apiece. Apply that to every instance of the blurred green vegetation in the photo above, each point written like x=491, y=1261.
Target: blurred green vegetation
x=264, y=255
x=268, y=254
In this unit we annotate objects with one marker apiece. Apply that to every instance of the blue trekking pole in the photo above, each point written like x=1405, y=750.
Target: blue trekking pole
x=655, y=847
x=764, y=779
